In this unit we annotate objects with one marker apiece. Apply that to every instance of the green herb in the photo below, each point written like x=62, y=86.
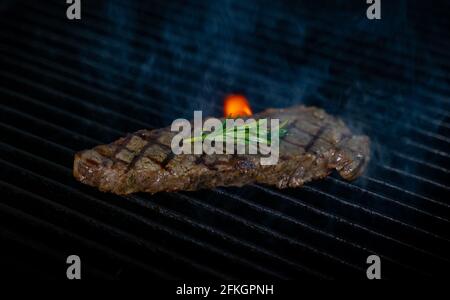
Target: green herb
x=242, y=134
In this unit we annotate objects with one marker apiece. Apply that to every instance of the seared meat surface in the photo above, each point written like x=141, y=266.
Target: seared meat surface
x=316, y=144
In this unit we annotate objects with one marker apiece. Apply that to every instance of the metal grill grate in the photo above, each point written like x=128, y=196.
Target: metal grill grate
x=66, y=86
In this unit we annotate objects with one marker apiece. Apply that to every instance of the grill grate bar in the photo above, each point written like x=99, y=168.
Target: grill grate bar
x=427, y=148
x=172, y=232
x=61, y=231
x=339, y=219
x=113, y=98
x=420, y=178
x=286, y=248
x=144, y=200
x=438, y=136
x=267, y=230
x=426, y=133
x=55, y=110
x=372, y=212
x=419, y=161
x=322, y=25
x=194, y=59
x=326, y=21
x=35, y=102
x=77, y=83
x=68, y=171
x=274, y=44
x=296, y=221
x=180, y=235
x=40, y=86
x=425, y=191
x=440, y=208
x=140, y=200
x=241, y=199
x=98, y=224
x=384, y=183
x=366, y=191
x=192, y=23
x=327, y=24
x=38, y=247
x=176, y=216
x=70, y=98
x=255, y=247
x=117, y=99
x=122, y=133
x=405, y=125
x=53, y=76
x=400, y=210
x=263, y=80
x=129, y=93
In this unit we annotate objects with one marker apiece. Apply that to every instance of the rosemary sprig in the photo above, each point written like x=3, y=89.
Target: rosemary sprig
x=242, y=134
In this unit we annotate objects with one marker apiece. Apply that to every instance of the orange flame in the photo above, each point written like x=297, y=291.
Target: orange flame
x=236, y=105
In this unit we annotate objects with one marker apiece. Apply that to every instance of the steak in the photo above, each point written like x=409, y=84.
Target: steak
x=315, y=145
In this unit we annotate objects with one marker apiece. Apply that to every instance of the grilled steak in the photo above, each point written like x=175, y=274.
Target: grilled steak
x=316, y=143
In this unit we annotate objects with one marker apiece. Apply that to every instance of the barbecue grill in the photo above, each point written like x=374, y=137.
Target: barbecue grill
x=68, y=85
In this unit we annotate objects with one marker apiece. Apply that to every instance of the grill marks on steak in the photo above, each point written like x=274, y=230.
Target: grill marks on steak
x=316, y=144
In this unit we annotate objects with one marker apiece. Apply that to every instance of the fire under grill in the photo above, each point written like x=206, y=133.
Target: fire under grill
x=67, y=85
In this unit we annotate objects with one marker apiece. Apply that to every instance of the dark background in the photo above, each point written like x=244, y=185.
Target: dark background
x=67, y=85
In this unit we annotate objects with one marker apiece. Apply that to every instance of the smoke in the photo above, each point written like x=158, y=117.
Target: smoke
x=117, y=20
x=186, y=56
